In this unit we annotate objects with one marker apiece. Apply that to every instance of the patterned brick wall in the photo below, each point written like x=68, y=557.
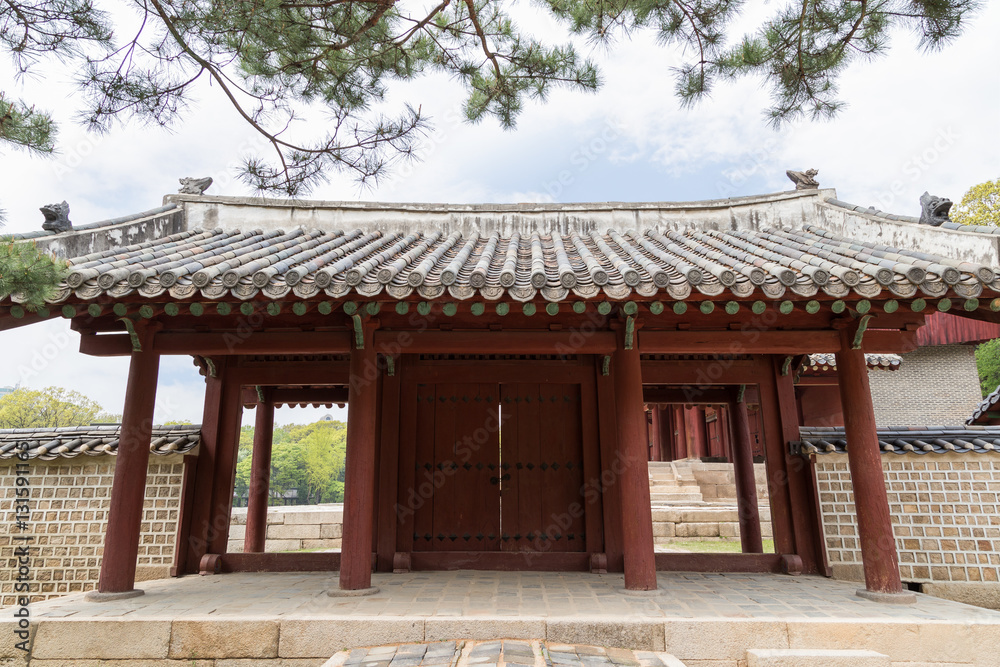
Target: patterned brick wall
x=69, y=504
x=944, y=513
x=936, y=386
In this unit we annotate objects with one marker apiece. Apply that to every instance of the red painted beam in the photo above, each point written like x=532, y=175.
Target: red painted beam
x=495, y=342
x=770, y=342
x=318, y=561
x=223, y=343
x=689, y=395
x=672, y=562
x=737, y=342
x=296, y=396
x=507, y=561
x=295, y=373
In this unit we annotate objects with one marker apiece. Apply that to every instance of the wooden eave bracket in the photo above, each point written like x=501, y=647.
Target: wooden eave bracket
x=629, y=332
x=390, y=365
x=132, y=333
x=741, y=393
x=359, y=332
x=260, y=394
x=859, y=333
x=606, y=365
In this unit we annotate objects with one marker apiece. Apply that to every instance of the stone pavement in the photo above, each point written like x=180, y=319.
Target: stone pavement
x=515, y=653
x=704, y=620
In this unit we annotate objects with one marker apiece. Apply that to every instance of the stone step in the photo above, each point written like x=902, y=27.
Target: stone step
x=695, y=515
x=804, y=657
x=674, y=497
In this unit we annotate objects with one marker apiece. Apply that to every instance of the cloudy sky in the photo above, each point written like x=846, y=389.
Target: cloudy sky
x=914, y=122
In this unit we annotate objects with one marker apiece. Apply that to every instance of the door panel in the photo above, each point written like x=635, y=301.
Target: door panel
x=542, y=504
x=457, y=454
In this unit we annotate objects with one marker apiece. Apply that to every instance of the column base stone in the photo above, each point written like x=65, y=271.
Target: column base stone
x=641, y=593
x=904, y=597
x=98, y=596
x=357, y=592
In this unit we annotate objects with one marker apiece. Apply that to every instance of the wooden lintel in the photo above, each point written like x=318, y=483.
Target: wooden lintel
x=281, y=562
x=298, y=396
x=886, y=341
x=294, y=373
x=828, y=379
x=738, y=342
x=224, y=343
x=719, y=562
x=495, y=342
x=701, y=372
x=509, y=561
x=691, y=395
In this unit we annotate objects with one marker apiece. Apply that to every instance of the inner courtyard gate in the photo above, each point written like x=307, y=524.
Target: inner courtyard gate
x=501, y=472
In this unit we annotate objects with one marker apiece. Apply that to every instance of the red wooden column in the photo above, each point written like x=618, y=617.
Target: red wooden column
x=359, y=474
x=655, y=444
x=679, y=438
x=260, y=476
x=637, y=514
x=128, y=491
x=878, y=547
x=746, y=484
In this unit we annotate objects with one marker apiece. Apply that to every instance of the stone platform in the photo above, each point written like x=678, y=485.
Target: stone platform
x=706, y=620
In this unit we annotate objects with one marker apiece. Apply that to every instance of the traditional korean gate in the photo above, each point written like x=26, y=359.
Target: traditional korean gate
x=492, y=474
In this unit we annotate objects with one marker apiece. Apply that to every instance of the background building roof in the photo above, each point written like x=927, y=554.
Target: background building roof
x=904, y=440
x=97, y=440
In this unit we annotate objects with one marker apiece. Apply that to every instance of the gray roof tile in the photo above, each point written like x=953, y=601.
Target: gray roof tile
x=557, y=265
x=96, y=440
x=904, y=440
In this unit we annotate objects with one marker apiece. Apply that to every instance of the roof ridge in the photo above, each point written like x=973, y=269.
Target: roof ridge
x=91, y=226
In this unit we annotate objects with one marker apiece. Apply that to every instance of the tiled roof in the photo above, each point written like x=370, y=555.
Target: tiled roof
x=828, y=361
x=677, y=265
x=904, y=440
x=871, y=210
x=979, y=415
x=71, y=441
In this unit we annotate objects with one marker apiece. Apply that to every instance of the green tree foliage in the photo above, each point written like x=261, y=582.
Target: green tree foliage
x=277, y=62
x=988, y=364
x=47, y=408
x=980, y=205
x=28, y=272
x=308, y=458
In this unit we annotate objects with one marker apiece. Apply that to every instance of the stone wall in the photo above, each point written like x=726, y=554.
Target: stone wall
x=934, y=386
x=717, y=481
x=945, y=520
x=69, y=506
x=293, y=527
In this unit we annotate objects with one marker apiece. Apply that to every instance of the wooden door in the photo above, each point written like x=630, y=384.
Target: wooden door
x=542, y=501
x=457, y=467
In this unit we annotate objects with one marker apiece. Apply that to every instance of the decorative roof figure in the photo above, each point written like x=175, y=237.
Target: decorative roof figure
x=804, y=180
x=933, y=209
x=194, y=186
x=56, y=217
